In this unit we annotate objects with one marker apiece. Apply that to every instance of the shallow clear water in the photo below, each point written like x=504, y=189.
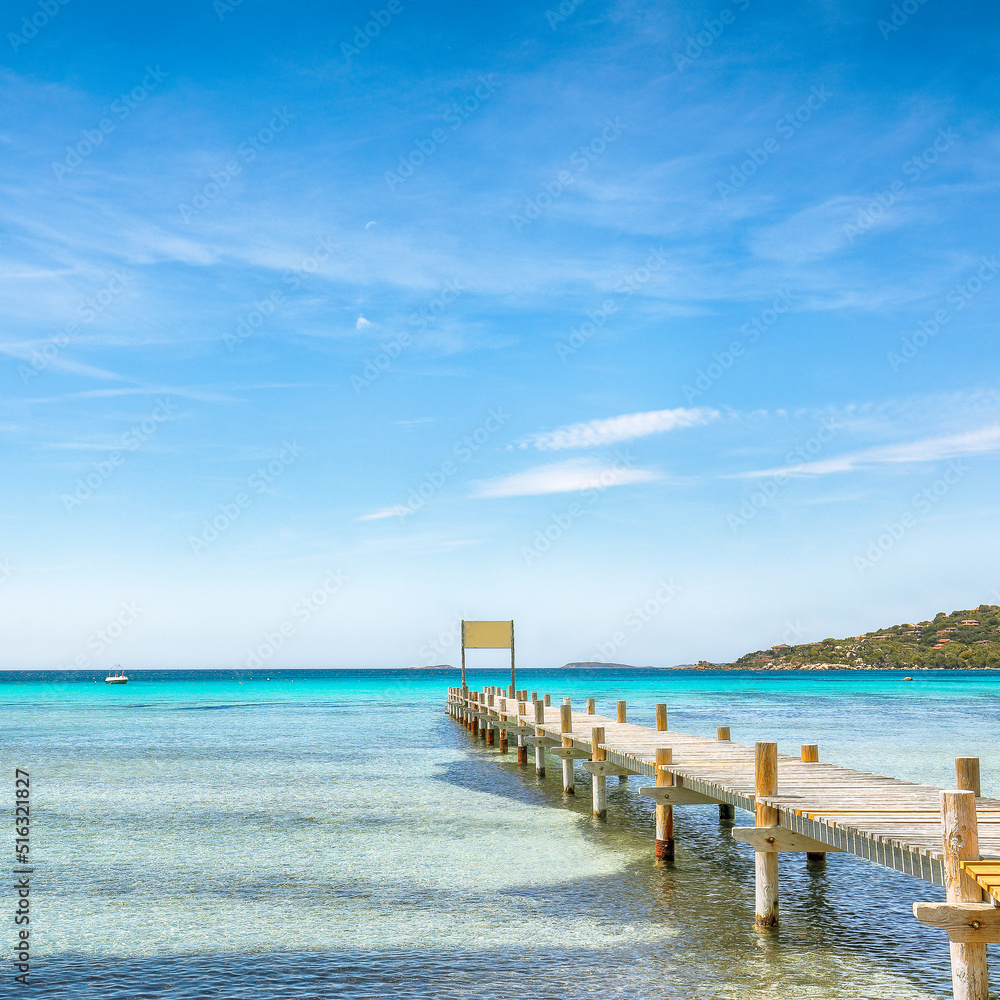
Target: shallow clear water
x=337, y=834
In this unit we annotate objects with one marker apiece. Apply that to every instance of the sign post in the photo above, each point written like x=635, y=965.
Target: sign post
x=488, y=635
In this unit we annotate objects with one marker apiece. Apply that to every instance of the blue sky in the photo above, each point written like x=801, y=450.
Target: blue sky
x=667, y=330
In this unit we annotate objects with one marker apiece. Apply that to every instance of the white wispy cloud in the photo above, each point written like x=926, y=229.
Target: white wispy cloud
x=933, y=449
x=397, y=510
x=614, y=430
x=571, y=476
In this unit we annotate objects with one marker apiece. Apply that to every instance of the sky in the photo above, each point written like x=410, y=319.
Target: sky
x=666, y=330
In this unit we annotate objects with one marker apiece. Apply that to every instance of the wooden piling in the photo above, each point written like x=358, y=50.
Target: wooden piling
x=599, y=782
x=621, y=711
x=548, y=700
x=967, y=774
x=661, y=718
x=960, y=835
x=727, y=812
x=591, y=706
x=810, y=755
x=766, y=862
x=566, y=726
x=539, y=749
x=664, y=847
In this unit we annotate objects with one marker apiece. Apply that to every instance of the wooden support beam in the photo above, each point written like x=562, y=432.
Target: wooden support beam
x=661, y=718
x=766, y=862
x=967, y=774
x=606, y=768
x=960, y=838
x=664, y=813
x=967, y=923
x=599, y=782
x=777, y=838
x=674, y=795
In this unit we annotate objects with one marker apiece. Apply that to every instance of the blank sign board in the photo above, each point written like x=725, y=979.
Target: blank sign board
x=487, y=635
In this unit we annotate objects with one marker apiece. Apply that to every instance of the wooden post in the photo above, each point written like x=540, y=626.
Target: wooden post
x=727, y=812
x=967, y=774
x=566, y=726
x=463, y=655
x=539, y=749
x=599, y=782
x=548, y=700
x=766, y=862
x=534, y=696
x=621, y=711
x=489, y=734
x=661, y=718
x=960, y=834
x=512, y=659
x=591, y=706
x=810, y=755
x=664, y=814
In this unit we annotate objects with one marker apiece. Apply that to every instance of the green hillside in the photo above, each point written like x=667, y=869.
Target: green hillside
x=963, y=639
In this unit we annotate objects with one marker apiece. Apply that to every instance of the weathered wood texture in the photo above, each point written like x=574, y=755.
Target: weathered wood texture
x=887, y=821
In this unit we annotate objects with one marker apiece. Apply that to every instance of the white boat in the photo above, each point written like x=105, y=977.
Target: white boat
x=118, y=677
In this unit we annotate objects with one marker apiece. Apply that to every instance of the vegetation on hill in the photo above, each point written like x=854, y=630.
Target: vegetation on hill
x=963, y=639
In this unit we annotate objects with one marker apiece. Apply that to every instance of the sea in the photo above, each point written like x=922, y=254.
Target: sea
x=302, y=834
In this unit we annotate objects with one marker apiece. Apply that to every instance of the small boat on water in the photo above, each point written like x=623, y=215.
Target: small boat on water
x=117, y=677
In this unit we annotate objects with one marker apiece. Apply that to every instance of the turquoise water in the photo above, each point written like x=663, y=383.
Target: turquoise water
x=322, y=834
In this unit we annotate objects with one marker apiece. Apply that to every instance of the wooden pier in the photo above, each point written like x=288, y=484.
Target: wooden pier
x=800, y=805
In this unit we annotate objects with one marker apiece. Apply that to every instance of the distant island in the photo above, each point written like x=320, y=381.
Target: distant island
x=967, y=640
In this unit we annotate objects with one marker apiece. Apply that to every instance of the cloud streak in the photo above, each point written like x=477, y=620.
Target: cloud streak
x=933, y=449
x=571, y=476
x=614, y=430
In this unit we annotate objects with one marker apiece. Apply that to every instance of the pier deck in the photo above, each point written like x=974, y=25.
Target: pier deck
x=800, y=805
